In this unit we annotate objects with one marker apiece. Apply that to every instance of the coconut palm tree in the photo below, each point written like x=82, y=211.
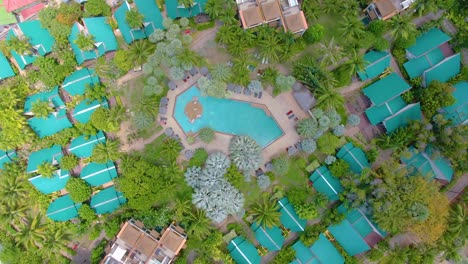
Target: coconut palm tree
x=41, y=109
x=351, y=27
x=355, y=63
x=20, y=45
x=199, y=225
x=458, y=219
x=329, y=98
x=95, y=92
x=331, y=52
x=331, y=6
x=426, y=6
x=84, y=42
x=402, y=27
x=118, y=114
x=214, y=8
x=55, y=243
x=221, y=72
x=139, y=51
x=265, y=212
x=188, y=56
x=46, y=169
x=103, y=152
x=148, y=105
x=311, y=9
x=30, y=232
x=171, y=149
x=13, y=190
x=134, y=18
x=269, y=47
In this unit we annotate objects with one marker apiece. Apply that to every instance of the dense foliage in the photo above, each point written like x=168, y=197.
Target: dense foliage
x=246, y=154
x=78, y=190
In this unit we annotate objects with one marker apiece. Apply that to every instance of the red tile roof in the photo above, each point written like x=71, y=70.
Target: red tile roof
x=31, y=11
x=12, y=5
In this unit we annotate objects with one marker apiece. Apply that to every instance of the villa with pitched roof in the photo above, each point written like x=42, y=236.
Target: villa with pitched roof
x=175, y=10
x=137, y=244
x=242, y=251
x=386, y=9
x=75, y=83
x=354, y=156
x=103, y=36
x=428, y=165
x=326, y=183
x=270, y=238
x=289, y=217
x=458, y=112
x=51, y=155
x=63, y=209
x=6, y=156
x=83, y=146
x=5, y=68
x=23, y=9
x=97, y=174
x=377, y=62
x=322, y=251
x=274, y=13
x=83, y=111
x=48, y=185
x=40, y=39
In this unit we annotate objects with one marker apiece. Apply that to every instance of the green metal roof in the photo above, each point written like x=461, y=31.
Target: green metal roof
x=325, y=252
x=324, y=182
x=104, y=38
x=107, y=201
x=53, y=184
x=6, y=18
x=83, y=146
x=83, y=111
x=174, y=10
x=428, y=41
x=5, y=68
x=377, y=61
x=152, y=15
x=54, y=123
x=75, y=83
x=6, y=156
x=243, y=252
x=354, y=156
x=378, y=113
x=96, y=174
x=386, y=89
x=289, y=218
x=403, y=117
x=443, y=71
x=458, y=112
x=303, y=253
x=52, y=155
x=424, y=164
x=416, y=67
x=51, y=96
x=270, y=238
x=130, y=34
x=63, y=209
x=349, y=238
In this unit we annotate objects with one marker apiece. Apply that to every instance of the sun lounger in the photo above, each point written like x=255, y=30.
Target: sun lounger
x=291, y=116
x=290, y=112
x=260, y=95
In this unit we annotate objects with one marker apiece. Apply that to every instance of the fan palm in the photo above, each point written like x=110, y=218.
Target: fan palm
x=329, y=98
x=139, y=51
x=265, y=212
x=402, y=27
x=104, y=152
x=351, y=27
x=31, y=231
x=331, y=53
x=199, y=225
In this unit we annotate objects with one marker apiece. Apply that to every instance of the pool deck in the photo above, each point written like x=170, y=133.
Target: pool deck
x=278, y=107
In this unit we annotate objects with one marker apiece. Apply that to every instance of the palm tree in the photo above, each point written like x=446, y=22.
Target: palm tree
x=148, y=105
x=214, y=8
x=402, y=27
x=265, y=212
x=189, y=57
x=139, y=51
x=269, y=47
x=329, y=98
x=46, y=169
x=20, y=45
x=95, y=92
x=134, y=18
x=41, y=109
x=104, y=152
x=426, y=6
x=199, y=225
x=13, y=190
x=355, y=64
x=171, y=149
x=311, y=9
x=228, y=34
x=331, y=6
x=31, y=231
x=11, y=214
x=142, y=120
x=331, y=52
x=55, y=243
x=221, y=72
x=457, y=219
x=352, y=27
x=84, y=42
x=118, y=114
x=181, y=208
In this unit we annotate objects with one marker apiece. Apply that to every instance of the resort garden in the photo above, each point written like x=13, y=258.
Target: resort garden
x=343, y=142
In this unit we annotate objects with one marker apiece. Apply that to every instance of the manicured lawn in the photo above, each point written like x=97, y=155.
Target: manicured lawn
x=297, y=175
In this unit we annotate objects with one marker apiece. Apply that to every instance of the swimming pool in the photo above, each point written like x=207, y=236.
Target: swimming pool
x=228, y=116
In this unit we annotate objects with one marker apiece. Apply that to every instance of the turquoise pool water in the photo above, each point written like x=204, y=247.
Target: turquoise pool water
x=228, y=116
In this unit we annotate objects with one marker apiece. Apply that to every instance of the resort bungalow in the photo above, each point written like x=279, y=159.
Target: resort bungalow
x=428, y=165
x=83, y=111
x=6, y=156
x=289, y=217
x=322, y=251
x=270, y=238
x=38, y=37
x=101, y=33
x=55, y=121
x=5, y=68
x=411, y=112
x=458, y=112
x=354, y=156
x=136, y=244
x=175, y=10
x=287, y=14
x=432, y=58
x=324, y=182
x=23, y=9
x=377, y=62
x=97, y=174
x=48, y=185
x=63, y=209
x=51, y=155
x=83, y=146
x=107, y=201
x=386, y=9
x=242, y=251
x=75, y=83
x=151, y=21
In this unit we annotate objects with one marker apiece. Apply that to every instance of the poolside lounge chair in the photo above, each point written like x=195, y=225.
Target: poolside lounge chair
x=172, y=85
x=269, y=166
x=260, y=95
x=169, y=131
x=193, y=71
x=231, y=87
x=188, y=154
x=292, y=150
x=204, y=71
x=163, y=110
x=247, y=92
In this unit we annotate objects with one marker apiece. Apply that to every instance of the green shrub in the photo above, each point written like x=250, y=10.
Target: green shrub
x=377, y=27
x=98, y=252
x=285, y=255
x=69, y=162
x=86, y=213
x=206, y=134
x=205, y=26
x=199, y=158
x=314, y=33
x=78, y=190
x=328, y=143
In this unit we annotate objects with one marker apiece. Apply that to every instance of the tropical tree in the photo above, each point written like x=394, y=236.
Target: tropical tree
x=331, y=52
x=95, y=8
x=281, y=165
x=189, y=57
x=199, y=226
x=46, y=169
x=69, y=162
x=255, y=86
x=355, y=63
x=263, y=182
x=30, y=231
x=284, y=83
x=139, y=51
x=221, y=72
x=436, y=96
x=457, y=219
x=118, y=114
x=148, y=105
x=20, y=45
x=246, y=154
x=13, y=190
x=401, y=27
x=307, y=127
x=176, y=73
x=214, y=8
x=103, y=152
x=351, y=27
x=78, y=189
x=171, y=149
x=84, y=41
x=309, y=145
x=41, y=109
x=329, y=98
x=55, y=244
x=95, y=92
x=134, y=18
x=265, y=212
x=206, y=134
x=142, y=120
x=270, y=48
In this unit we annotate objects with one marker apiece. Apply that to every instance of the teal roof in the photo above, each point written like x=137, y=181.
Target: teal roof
x=377, y=61
x=51, y=155
x=424, y=164
x=386, y=89
x=324, y=182
x=54, y=123
x=243, y=252
x=289, y=218
x=83, y=111
x=403, y=117
x=53, y=184
x=174, y=10
x=104, y=38
x=6, y=156
x=270, y=238
x=349, y=238
x=107, y=201
x=428, y=41
x=416, y=67
x=152, y=16
x=5, y=68
x=130, y=34
x=83, y=146
x=378, y=113
x=51, y=96
x=303, y=253
x=63, y=209
x=458, y=112
x=354, y=156
x=325, y=252
x=361, y=222
x=39, y=38
x=443, y=71
x=96, y=174
x=75, y=83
